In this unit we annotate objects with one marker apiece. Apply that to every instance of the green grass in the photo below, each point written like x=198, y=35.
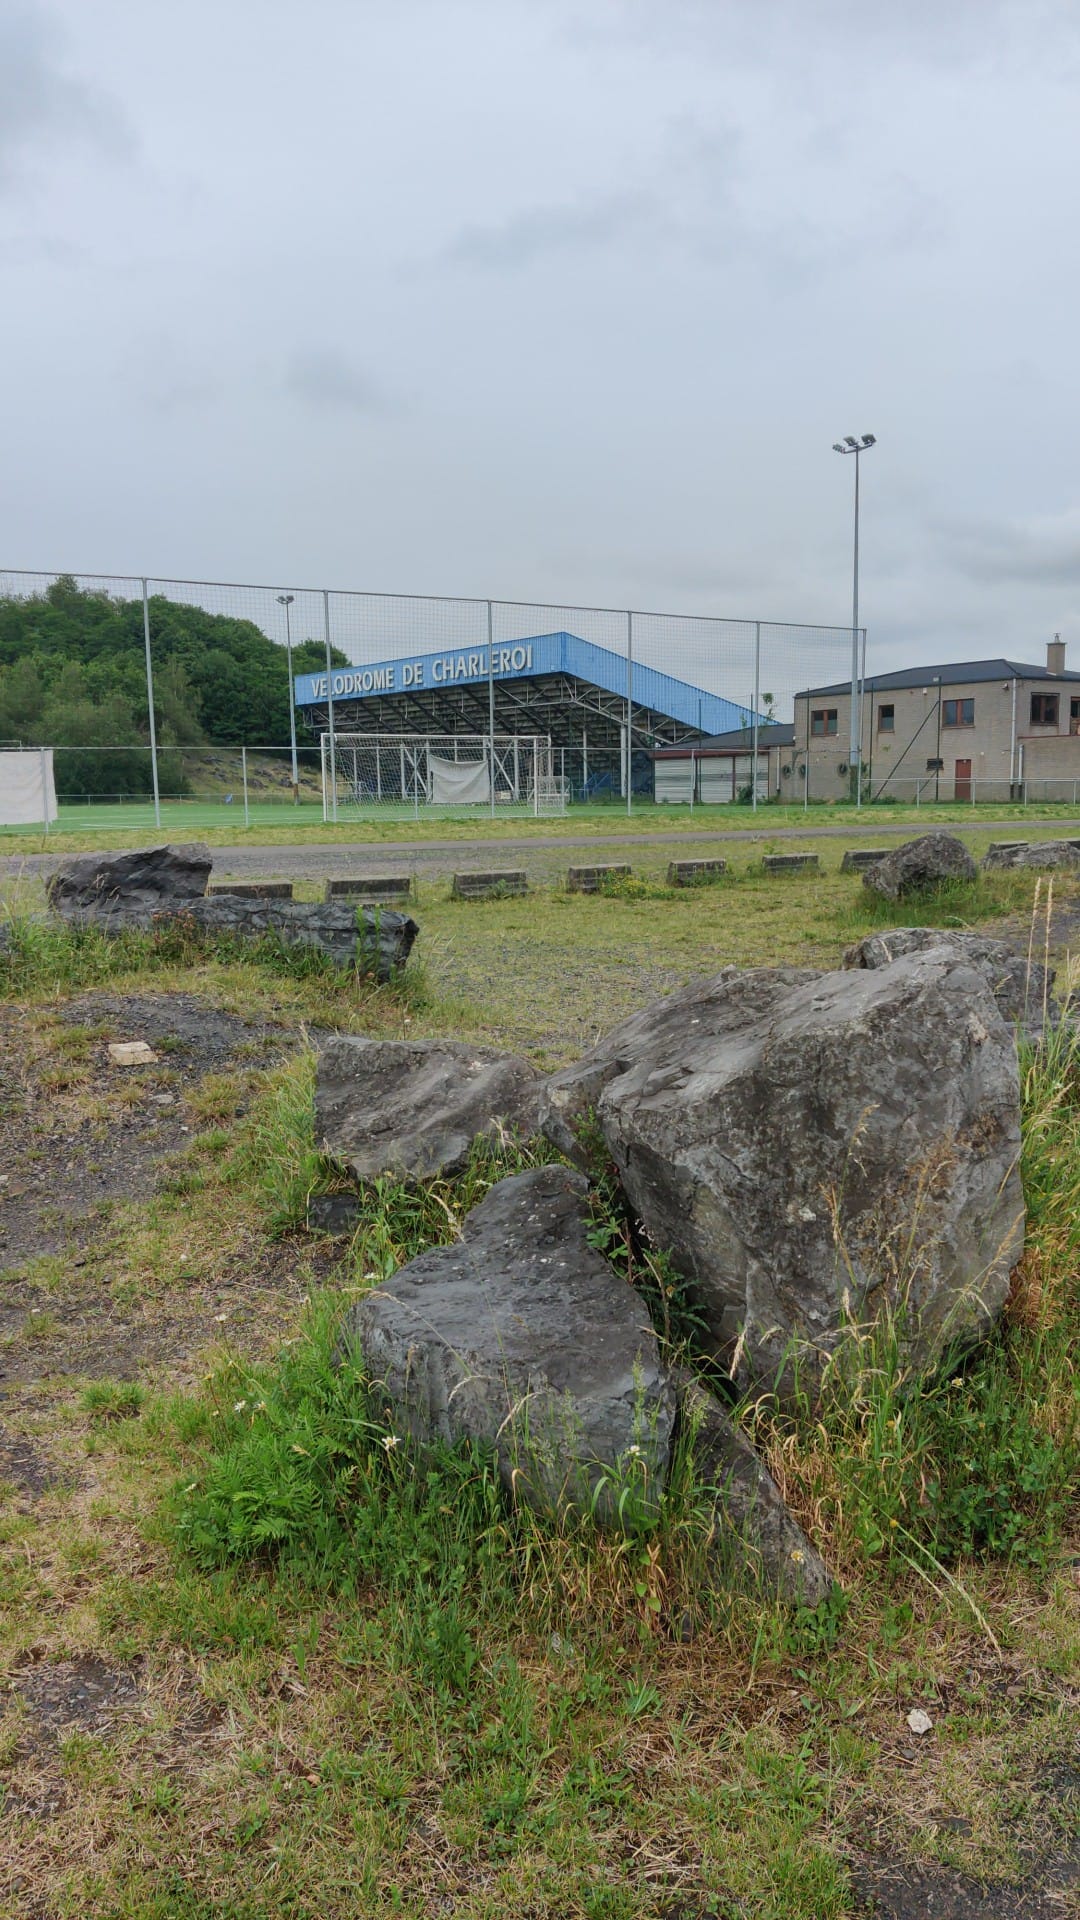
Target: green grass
x=280, y=823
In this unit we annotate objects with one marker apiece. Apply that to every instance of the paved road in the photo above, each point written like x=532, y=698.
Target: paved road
x=540, y=853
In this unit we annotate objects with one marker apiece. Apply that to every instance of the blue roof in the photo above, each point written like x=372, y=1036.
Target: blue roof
x=529, y=659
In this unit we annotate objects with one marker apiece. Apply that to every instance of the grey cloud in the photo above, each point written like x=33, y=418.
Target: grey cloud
x=537, y=232
x=325, y=379
x=787, y=33
x=1046, y=552
x=41, y=105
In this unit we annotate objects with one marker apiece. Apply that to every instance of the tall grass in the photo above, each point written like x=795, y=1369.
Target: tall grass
x=982, y=1456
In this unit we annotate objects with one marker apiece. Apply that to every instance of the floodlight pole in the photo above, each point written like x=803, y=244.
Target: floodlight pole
x=851, y=445
x=285, y=600
x=330, y=705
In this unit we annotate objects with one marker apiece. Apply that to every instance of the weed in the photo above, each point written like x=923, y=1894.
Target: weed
x=108, y=1400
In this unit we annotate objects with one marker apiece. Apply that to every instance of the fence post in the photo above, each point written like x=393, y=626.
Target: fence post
x=44, y=788
x=629, y=713
x=491, y=707
x=150, y=705
x=757, y=703
x=330, y=705
x=243, y=776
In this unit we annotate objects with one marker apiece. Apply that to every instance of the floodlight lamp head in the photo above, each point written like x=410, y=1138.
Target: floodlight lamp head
x=850, y=441
x=286, y=599
x=837, y=448
x=869, y=440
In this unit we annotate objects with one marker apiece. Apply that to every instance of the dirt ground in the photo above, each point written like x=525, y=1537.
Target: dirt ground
x=79, y=1137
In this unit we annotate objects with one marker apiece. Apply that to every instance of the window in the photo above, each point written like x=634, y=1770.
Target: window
x=886, y=719
x=1044, y=709
x=958, y=713
x=823, y=720
x=1074, y=716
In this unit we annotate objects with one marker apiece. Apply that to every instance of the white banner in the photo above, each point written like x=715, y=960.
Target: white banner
x=27, y=789
x=450, y=782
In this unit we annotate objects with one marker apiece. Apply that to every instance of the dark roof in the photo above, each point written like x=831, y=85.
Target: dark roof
x=739, y=740
x=953, y=673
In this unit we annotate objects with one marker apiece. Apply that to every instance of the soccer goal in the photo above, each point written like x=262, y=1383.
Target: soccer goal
x=461, y=775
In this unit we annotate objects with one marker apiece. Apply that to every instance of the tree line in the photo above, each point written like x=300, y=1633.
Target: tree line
x=73, y=675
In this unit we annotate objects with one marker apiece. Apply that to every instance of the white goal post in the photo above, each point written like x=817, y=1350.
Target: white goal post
x=467, y=774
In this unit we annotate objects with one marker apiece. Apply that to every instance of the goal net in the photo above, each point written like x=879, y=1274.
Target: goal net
x=464, y=774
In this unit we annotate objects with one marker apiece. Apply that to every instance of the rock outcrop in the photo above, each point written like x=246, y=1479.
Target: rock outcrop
x=414, y=1108
x=919, y=866
x=752, y=1535
x=147, y=888
x=130, y=888
x=817, y=1151
x=1042, y=856
x=522, y=1338
x=375, y=940
x=1023, y=988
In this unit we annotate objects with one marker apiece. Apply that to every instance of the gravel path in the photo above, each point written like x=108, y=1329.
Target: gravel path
x=541, y=854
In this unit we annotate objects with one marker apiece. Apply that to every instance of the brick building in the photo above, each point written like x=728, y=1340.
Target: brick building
x=967, y=730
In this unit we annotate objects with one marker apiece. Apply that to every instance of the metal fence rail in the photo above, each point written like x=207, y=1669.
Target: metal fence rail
x=741, y=670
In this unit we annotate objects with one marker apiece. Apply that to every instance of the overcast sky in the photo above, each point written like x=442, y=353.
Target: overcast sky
x=553, y=299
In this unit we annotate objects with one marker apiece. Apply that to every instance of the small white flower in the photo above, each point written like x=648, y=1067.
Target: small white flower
x=390, y=1441
x=219, y=1317
x=633, y=1453
x=239, y=1406
x=259, y=1407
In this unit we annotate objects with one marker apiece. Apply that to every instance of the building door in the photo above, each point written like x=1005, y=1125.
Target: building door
x=963, y=780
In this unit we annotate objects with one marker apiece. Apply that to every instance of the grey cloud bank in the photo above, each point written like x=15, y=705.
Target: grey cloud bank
x=556, y=300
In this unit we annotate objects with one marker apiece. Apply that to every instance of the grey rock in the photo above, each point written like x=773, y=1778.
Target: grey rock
x=414, y=1107
x=523, y=1339
x=130, y=887
x=1044, y=856
x=1023, y=989
x=374, y=940
x=752, y=1536
x=920, y=865
x=815, y=1150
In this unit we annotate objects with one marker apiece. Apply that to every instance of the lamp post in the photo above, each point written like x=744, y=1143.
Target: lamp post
x=850, y=445
x=285, y=600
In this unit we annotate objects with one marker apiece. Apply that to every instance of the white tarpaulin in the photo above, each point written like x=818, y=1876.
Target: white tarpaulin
x=27, y=790
x=453, y=782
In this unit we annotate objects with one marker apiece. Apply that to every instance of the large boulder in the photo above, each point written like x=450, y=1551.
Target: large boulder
x=751, y=1534
x=374, y=940
x=1021, y=986
x=919, y=866
x=818, y=1152
x=1044, y=856
x=130, y=888
x=523, y=1339
x=415, y=1107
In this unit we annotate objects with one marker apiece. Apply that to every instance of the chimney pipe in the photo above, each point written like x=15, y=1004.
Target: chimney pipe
x=1055, y=655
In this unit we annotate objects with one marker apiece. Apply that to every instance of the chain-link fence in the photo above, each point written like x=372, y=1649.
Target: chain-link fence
x=191, y=703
